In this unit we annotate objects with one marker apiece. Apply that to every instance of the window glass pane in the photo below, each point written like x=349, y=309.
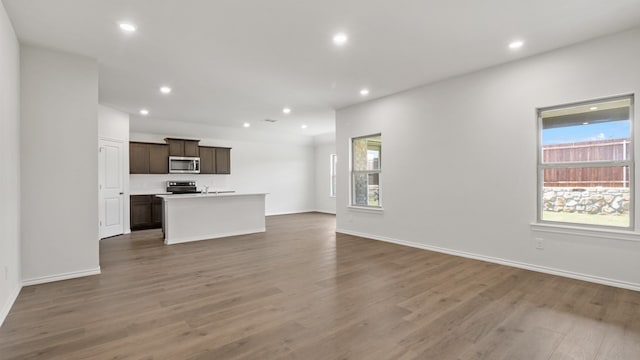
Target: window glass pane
x=591, y=195
x=333, y=161
x=366, y=190
x=597, y=131
x=367, y=153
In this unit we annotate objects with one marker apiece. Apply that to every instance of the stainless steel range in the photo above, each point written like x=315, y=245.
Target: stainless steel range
x=181, y=187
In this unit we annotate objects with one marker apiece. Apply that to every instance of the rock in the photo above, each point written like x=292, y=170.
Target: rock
x=560, y=201
x=608, y=210
x=569, y=209
x=549, y=195
x=608, y=198
x=615, y=205
x=584, y=202
x=626, y=197
x=572, y=203
x=625, y=205
x=580, y=208
x=596, y=197
x=592, y=209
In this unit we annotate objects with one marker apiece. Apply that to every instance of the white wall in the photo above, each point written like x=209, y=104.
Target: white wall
x=475, y=136
x=10, y=277
x=114, y=125
x=324, y=146
x=59, y=165
x=284, y=169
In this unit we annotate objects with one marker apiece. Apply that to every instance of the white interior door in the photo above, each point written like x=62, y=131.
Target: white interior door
x=111, y=188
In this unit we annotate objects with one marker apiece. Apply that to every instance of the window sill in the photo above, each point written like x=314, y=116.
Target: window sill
x=622, y=235
x=375, y=210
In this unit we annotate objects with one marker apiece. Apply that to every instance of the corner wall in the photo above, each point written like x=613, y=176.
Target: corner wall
x=10, y=276
x=445, y=143
x=59, y=165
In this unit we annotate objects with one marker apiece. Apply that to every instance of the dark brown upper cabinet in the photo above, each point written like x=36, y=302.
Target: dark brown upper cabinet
x=207, y=160
x=158, y=159
x=223, y=161
x=139, y=158
x=215, y=160
x=182, y=147
x=146, y=158
x=150, y=158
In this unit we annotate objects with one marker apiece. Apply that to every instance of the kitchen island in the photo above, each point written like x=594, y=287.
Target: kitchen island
x=193, y=217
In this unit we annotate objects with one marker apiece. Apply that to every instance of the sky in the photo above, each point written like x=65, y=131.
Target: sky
x=598, y=131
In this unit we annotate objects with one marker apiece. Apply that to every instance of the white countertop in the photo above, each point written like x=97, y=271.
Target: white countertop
x=209, y=195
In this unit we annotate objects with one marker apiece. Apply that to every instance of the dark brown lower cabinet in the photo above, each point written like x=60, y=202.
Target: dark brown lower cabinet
x=146, y=212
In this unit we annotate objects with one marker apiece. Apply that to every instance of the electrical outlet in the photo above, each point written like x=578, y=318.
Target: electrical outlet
x=539, y=243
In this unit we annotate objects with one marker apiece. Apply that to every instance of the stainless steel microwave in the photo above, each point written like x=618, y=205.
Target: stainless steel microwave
x=184, y=165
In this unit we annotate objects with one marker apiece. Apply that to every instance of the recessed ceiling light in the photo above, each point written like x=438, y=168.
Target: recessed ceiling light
x=340, y=39
x=144, y=112
x=304, y=126
x=516, y=44
x=165, y=90
x=286, y=111
x=593, y=108
x=364, y=92
x=246, y=125
x=127, y=27
x=585, y=123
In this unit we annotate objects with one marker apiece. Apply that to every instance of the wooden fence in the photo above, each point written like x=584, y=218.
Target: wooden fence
x=617, y=149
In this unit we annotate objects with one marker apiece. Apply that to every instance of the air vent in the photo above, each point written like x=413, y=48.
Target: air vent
x=270, y=120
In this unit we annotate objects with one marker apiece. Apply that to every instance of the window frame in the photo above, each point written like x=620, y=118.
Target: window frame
x=541, y=166
x=333, y=170
x=353, y=172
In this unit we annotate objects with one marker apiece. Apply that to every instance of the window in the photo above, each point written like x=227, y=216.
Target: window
x=366, y=155
x=332, y=163
x=585, y=163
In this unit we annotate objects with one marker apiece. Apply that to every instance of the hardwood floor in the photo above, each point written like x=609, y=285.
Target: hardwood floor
x=299, y=291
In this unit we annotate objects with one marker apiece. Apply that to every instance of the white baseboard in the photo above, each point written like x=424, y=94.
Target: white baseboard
x=516, y=264
x=58, y=277
x=325, y=212
x=212, y=236
x=6, y=307
x=289, y=212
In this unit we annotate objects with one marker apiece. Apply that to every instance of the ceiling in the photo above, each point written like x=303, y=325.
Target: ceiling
x=235, y=61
